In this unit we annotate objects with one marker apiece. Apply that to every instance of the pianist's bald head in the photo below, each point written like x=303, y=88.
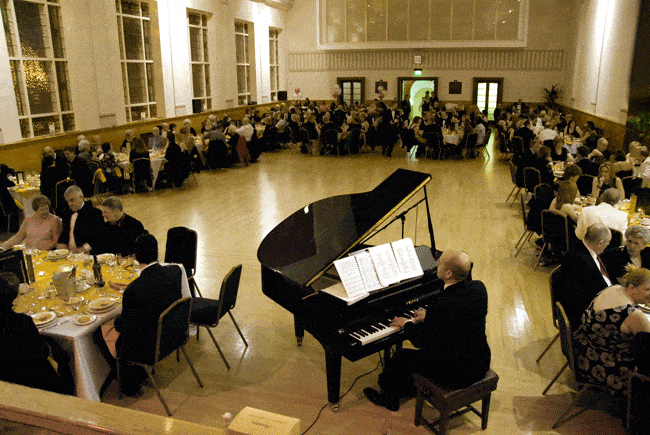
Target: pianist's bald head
x=454, y=266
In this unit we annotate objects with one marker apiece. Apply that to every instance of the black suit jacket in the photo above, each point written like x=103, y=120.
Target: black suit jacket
x=452, y=336
x=616, y=259
x=143, y=302
x=86, y=228
x=119, y=238
x=581, y=281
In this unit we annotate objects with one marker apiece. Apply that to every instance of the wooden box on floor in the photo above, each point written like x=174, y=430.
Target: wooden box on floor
x=251, y=421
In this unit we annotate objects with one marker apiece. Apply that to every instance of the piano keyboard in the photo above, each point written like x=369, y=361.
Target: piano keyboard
x=379, y=330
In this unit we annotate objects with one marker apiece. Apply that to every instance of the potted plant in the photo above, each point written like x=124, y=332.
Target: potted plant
x=552, y=94
x=642, y=123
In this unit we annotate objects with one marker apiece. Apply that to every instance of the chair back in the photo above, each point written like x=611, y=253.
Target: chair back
x=555, y=231
x=544, y=195
x=566, y=336
x=631, y=185
x=181, y=248
x=523, y=211
x=554, y=283
x=513, y=173
x=471, y=140
x=60, y=189
x=517, y=145
x=229, y=290
x=585, y=184
x=173, y=325
x=532, y=178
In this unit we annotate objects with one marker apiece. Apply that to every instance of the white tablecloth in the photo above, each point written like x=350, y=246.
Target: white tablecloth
x=24, y=195
x=451, y=139
x=156, y=164
x=89, y=366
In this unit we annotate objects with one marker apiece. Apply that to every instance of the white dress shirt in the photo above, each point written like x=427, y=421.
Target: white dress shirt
x=602, y=213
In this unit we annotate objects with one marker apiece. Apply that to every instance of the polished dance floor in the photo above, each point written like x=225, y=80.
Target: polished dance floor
x=234, y=209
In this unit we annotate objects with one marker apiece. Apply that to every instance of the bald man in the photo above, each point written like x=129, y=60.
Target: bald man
x=450, y=337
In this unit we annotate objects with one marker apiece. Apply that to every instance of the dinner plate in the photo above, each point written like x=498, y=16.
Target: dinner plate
x=44, y=319
x=645, y=221
x=105, y=258
x=85, y=319
x=82, y=286
x=74, y=300
x=101, y=304
x=57, y=254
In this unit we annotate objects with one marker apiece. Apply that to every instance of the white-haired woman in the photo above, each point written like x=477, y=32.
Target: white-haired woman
x=633, y=252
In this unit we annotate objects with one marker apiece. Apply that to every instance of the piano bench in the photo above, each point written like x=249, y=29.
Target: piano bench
x=452, y=403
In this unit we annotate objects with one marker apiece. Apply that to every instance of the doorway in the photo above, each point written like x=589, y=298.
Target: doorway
x=352, y=89
x=488, y=93
x=415, y=89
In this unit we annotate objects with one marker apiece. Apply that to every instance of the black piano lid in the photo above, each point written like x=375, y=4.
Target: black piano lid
x=306, y=243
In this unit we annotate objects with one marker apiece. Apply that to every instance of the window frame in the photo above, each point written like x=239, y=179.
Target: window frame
x=206, y=98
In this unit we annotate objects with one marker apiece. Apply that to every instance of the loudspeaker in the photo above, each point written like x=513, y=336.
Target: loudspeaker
x=282, y=95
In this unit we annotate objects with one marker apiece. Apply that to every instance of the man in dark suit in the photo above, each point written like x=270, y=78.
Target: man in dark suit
x=83, y=219
x=450, y=336
x=119, y=231
x=143, y=302
x=583, y=275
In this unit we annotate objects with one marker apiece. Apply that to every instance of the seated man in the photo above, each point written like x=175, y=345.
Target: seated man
x=118, y=233
x=603, y=213
x=133, y=333
x=26, y=357
x=583, y=274
x=450, y=336
x=80, y=222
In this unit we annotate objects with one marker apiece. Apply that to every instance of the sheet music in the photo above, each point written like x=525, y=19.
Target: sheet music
x=350, y=275
x=368, y=272
x=407, y=259
x=385, y=264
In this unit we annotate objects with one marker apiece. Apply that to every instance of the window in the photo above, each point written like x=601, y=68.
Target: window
x=488, y=94
x=197, y=24
x=137, y=62
x=39, y=67
x=475, y=22
x=352, y=89
x=243, y=63
x=274, y=62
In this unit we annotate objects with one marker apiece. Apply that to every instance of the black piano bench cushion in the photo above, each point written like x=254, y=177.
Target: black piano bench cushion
x=448, y=401
x=204, y=311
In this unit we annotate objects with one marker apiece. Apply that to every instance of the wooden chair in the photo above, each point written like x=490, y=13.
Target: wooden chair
x=172, y=335
x=207, y=312
x=452, y=403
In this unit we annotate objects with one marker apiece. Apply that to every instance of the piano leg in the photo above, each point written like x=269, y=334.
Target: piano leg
x=333, y=370
x=299, y=327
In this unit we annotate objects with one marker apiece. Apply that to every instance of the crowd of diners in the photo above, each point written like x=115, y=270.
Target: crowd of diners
x=600, y=284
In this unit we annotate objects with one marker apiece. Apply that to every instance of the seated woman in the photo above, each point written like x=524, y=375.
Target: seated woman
x=633, y=252
x=25, y=354
x=621, y=167
x=559, y=153
x=603, y=342
x=141, y=168
x=572, y=130
x=109, y=166
x=606, y=179
x=177, y=165
x=541, y=162
x=40, y=230
x=566, y=194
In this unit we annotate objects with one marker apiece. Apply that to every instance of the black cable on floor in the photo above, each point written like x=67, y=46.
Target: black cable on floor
x=344, y=394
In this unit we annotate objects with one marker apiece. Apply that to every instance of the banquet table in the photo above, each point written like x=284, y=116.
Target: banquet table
x=450, y=138
x=156, y=157
x=25, y=191
x=89, y=366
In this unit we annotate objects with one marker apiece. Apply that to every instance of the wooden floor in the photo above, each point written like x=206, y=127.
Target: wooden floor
x=233, y=209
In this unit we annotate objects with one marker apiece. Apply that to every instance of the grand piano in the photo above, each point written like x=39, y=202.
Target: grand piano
x=297, y=259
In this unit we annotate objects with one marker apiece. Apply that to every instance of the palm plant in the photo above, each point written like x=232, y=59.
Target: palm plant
x=552, y=94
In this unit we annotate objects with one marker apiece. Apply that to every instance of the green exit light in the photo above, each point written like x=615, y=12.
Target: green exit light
x=417, y=72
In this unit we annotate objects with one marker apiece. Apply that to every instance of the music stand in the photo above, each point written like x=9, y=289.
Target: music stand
x=14, y=262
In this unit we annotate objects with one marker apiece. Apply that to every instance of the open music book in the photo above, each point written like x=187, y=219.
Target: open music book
x=374, y=268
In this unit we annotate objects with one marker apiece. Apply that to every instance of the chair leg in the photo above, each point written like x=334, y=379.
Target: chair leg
x=158, y=393
x=555, y=378
x=223, y=357
x=485, y=411
x=442, y=423
x=237, y=326
x=112, y=375
x=527, y=238
x=575, y=399
x=189, y=361
x=511, y=192
x=548, y=347
x=419, y=402
x=514, y=198
x=539, y=257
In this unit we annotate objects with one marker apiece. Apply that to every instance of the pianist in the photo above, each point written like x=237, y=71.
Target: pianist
x=452, y=348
